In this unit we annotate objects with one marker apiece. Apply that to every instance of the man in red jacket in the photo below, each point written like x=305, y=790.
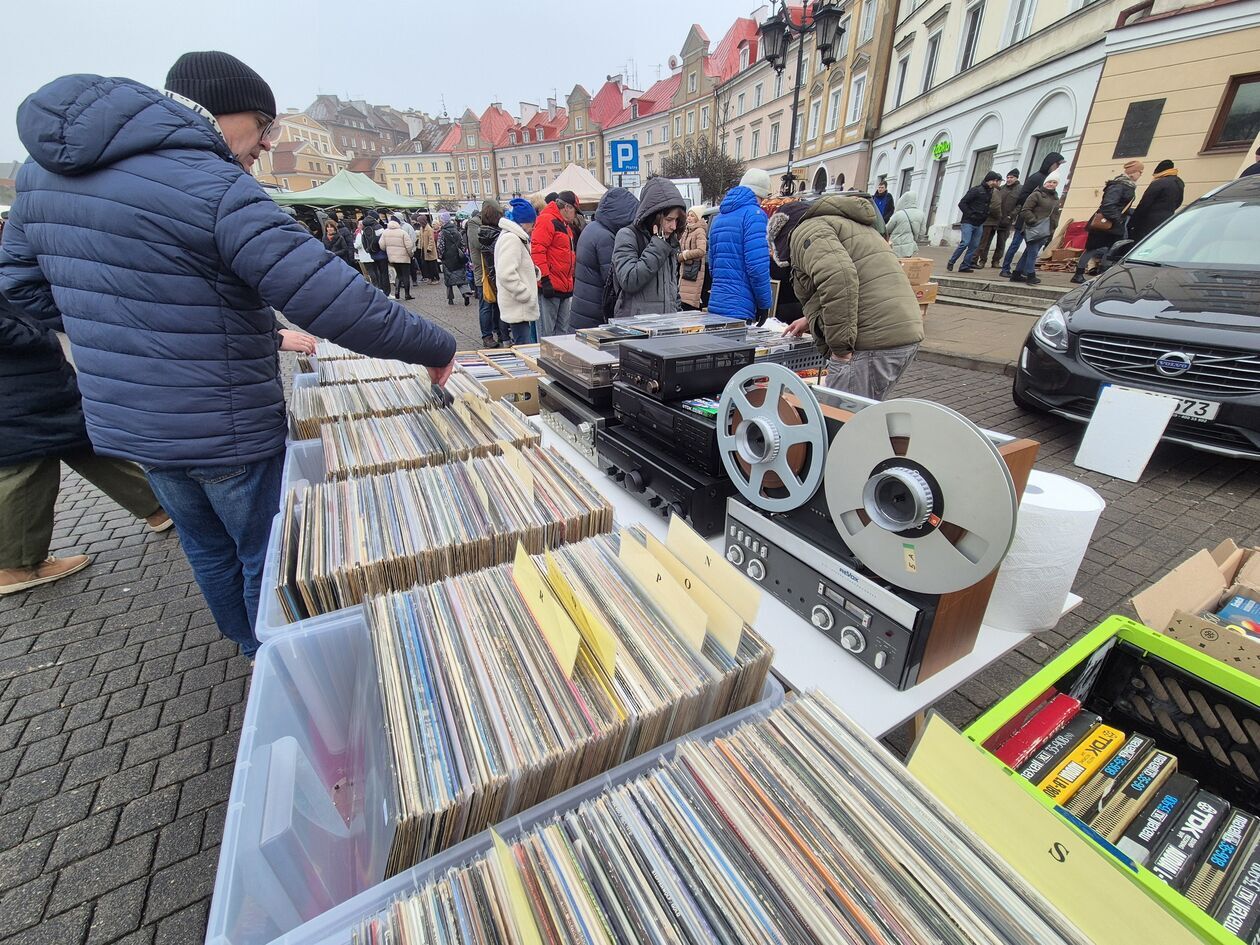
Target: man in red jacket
x=551, y=247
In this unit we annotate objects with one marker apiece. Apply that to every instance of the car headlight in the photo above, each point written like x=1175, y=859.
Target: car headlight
x=1051, y=329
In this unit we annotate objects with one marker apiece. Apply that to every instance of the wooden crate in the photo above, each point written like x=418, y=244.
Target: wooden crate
x=521, y=390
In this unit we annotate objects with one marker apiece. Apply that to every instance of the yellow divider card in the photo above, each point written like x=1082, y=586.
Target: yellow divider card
x=522, y=914
x=516, y=462
x=480, y=407
x=664, y=590
x=1054, y=858
x=597, y=636
x=725, y=626
x=743, y=596
x=557, y=627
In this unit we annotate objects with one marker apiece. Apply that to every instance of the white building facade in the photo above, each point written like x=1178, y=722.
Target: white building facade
x=974, y=87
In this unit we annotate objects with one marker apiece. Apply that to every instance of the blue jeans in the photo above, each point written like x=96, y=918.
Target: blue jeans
x=553, y=316
x=488, y=315
x=223, y=516
x=522, y=332
x=1016, y=239
x=968, y=245
x=1028, y=262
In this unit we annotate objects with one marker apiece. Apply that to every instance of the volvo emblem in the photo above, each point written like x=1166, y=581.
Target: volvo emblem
x=1174, y=363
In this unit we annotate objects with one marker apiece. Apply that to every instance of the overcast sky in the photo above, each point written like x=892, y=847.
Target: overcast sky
x=400, y=54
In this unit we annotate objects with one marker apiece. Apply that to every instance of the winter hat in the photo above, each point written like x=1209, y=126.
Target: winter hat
x=779, y=230
x=1134, y=166
x=550, y=197
x=1013, y=172
x=1051, y=181
x=992, y=175
x=1164, y=166
x=521, y=211
x=567, y=196
x=756, y=180
x=444, y=217
x=221, y=84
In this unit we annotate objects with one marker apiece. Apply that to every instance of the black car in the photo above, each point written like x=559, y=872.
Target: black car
x=1178, y=314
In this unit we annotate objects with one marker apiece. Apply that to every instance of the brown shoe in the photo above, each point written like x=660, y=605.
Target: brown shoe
x=159, y=521
x=51, y=569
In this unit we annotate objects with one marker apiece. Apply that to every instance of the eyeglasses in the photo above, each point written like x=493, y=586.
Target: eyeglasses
x=269, y=128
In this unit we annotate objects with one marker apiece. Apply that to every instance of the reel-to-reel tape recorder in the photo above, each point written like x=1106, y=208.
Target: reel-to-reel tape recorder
x=882, y=524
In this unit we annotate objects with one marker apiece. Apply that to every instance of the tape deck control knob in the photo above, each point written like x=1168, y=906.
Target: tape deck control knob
x=821, y=617
x=756, y=570
x=852, y=639
x=735, y=555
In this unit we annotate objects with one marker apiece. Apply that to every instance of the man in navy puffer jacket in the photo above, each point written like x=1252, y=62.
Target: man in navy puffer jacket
x=138, y=227
x=739, y=256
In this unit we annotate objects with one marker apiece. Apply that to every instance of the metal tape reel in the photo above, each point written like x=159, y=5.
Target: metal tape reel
x=921, y=495
x=774, y=452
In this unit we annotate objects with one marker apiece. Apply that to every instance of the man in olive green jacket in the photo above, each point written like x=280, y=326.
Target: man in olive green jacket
x=856, y=300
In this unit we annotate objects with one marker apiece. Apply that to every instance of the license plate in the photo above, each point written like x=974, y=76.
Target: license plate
x=1188, y=408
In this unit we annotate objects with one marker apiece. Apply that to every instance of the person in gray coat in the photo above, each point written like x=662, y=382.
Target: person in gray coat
x=645, y=253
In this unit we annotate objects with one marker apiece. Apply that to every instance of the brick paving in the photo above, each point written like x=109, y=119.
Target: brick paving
x=120, y=705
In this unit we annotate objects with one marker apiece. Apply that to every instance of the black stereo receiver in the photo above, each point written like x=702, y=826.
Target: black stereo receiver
x=689, y=436
x=677, y=367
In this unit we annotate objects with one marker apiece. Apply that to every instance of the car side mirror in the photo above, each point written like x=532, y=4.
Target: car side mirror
x=1120, y=249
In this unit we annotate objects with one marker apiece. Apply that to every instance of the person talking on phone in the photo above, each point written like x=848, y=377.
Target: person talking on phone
x=645, y=253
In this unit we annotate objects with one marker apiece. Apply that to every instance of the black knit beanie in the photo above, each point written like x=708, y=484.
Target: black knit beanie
x=221, y=84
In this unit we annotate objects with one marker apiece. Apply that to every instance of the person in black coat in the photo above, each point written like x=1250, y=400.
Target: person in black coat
x=1117, y=196
x=1162, y=199
x=1253, y=169
x=617, y=208
x=335, y=243
x=42, y=419
x=975, y=210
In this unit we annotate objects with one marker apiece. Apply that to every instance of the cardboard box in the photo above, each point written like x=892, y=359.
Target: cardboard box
x=1202, y=583
x=926, y=293
x=520, y=390
x=1065, y=255
x=918, y=269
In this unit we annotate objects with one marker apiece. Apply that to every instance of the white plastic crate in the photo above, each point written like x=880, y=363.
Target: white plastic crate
x=272, y=622
x=309, y=823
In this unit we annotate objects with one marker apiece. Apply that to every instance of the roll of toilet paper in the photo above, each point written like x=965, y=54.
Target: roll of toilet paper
x=1056, y=521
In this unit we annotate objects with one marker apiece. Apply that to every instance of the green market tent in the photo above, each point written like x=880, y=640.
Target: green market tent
x=349, y=189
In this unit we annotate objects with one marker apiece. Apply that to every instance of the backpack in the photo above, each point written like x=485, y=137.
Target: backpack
x=612, y=288
x=371, y=241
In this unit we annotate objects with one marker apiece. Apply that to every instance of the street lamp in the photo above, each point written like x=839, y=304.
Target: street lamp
x=821, y=17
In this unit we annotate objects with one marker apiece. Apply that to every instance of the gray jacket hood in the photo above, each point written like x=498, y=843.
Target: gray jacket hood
x=908, y=201
x=658, y=194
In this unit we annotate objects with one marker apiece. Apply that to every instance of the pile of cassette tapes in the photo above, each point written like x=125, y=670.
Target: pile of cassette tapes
x=345, y=539
x=489, y=713
x=792, y=828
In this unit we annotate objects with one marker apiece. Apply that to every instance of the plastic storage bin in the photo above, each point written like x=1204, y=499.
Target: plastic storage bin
x=309, y=819
x=272, y=622
x=303, y=462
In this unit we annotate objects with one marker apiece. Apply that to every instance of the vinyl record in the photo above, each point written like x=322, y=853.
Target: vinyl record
x=921, y=495
x=774, y=450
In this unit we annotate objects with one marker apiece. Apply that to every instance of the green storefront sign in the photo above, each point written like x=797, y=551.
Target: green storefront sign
x=940, y=150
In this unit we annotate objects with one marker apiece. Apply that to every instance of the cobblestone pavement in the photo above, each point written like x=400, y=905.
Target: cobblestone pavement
x=120, y=706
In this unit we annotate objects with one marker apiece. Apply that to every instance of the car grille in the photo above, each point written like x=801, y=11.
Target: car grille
x=1133, y=359
x=1211, y=434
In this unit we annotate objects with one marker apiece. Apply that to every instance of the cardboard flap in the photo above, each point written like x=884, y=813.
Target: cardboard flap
x=1223, y=552
x=1249, y=571
x=1192, y=586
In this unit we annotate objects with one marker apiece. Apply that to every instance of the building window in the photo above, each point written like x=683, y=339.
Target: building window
x=800, y=131
x=857, y=99
x=664, y=133
x=514, y=160
x=476, y=185
x=971, y=35
x=649, y=166
x=815, y=109
x=982, y=164
x=833, y=111
x=542, y=157
x=448, y=169
x=581, y=151
x=410, y=193
x=529, y=160
x=407, y=168
x=516, y=185
x=485, y=162
x=691, y=122
x=393, y=168
x=678, y=126
x=778, y=85
x=774, y=137
x=503, y=184
x=704, y=120
x=649, y=136
x=579, y=122
x=285, y=181
x=929, y=63
x=1045, y=144
x=1022, y=19
x=434, y=166
x=529, y=183
x=691, y=81
x=758, y=91
x=437, y=187
x=343, y=141
x=396, y=188
x=424, y=189
x=756, y=143
x=470, y=141
x=542, y=181
x=739, y=104
x=568, y=152
x=555, y=156
x=868, y=21
x=1238, y=120
x=511, y=137
x=899, y=86
x=463, y=165
x=743, y=58
x=739, y=147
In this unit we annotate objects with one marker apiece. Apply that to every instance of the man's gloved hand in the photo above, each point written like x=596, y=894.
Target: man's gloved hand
x=762, y=315
x=545, y=287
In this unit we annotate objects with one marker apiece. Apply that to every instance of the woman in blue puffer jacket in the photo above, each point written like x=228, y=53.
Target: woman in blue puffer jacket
x=738, y=253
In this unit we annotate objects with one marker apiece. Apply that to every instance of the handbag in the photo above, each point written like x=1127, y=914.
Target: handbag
x=691, y=270
x=1099, y=223
x=1038, y=231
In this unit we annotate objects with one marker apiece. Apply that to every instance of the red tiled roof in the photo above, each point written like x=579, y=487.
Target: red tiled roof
x=723, y=62
x=550, y=127
x=363, y=165
x=452, y=139
x=607, y=103
x=495, y=124
x=656, y=99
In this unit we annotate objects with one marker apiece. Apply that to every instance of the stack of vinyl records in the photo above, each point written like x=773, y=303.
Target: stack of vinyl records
x=346, y=539
x=795, y=828
x=330, y=351
x=472, y=427
x=356, y=370
x=486, y=719
x=311, y=406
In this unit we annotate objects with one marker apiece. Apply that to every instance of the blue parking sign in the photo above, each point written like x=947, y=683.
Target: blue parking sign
x=625, y=156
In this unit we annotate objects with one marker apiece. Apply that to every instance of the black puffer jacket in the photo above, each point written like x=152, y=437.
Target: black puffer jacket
x=40, y=411
x=1162, y=198
x=594, y=256
x=975, y=204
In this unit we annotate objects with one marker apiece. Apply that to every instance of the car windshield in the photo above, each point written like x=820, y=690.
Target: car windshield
x=1213, y=235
